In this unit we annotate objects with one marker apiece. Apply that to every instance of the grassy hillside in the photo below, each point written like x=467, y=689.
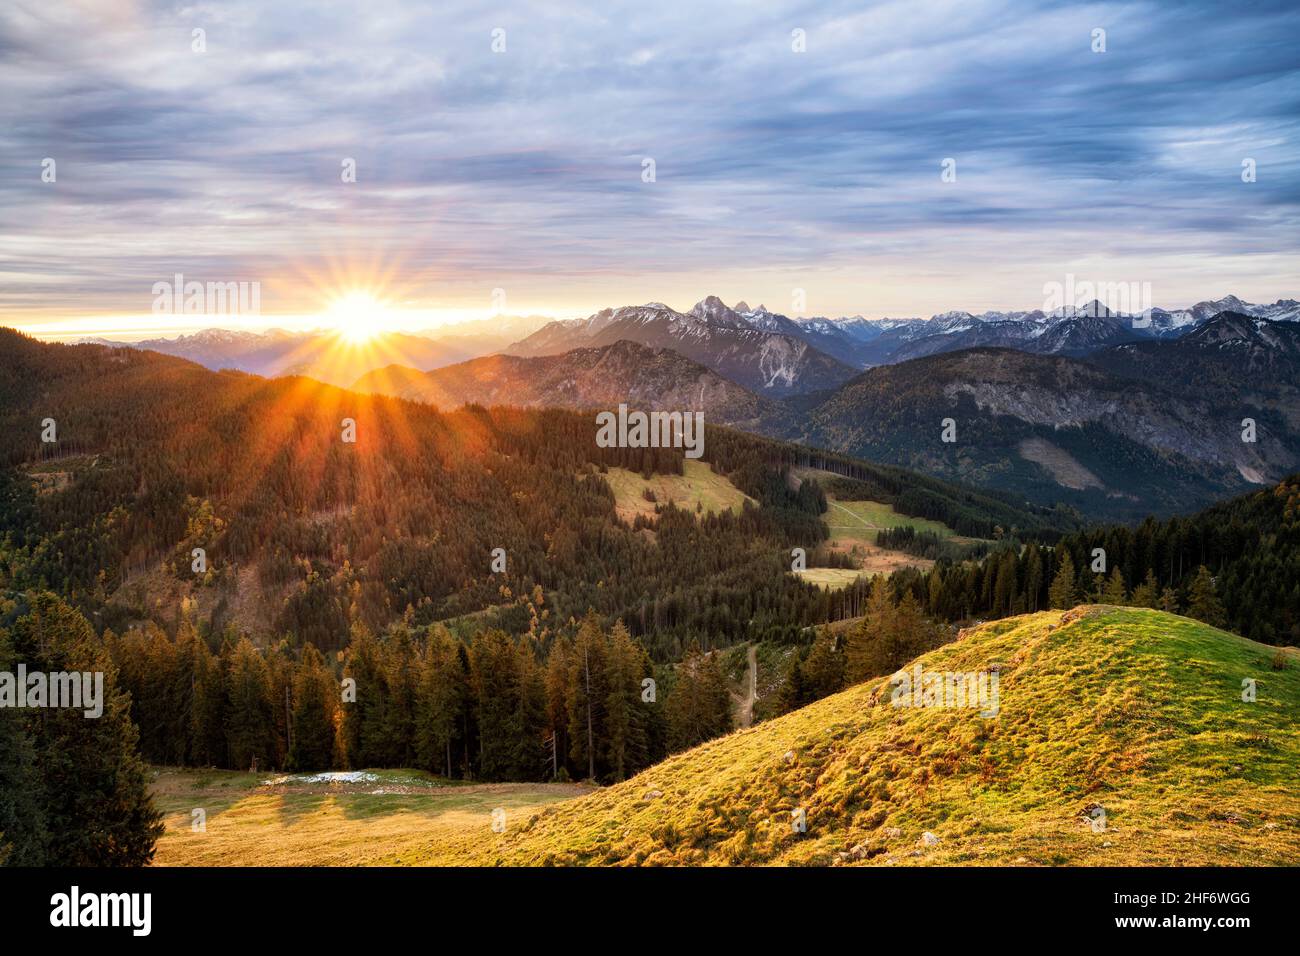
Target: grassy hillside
x=345, y=819
x=852, y=526
x=698, y=487
x=1137, y=711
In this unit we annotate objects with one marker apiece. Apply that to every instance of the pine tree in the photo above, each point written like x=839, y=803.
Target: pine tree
x=626, y=745
x=249, y=717
x=910, y=636
x=586, y=695
x=439, y=701
x=1169, y=600
x=1147, y=594
x=530, y=711
x=364, y=720
x=508, y=708
x=1033, y=578
x=822, y=673
x=401, y=677
x=1114, y=592
x=1005, y=590
x=865, y=653
x=1202, y=599
x=792, y=695
x=699, y=706
x=22, y=814
x=558, y=665
x=208, y=719
x=315, y=698
x=1061, y=595
x=94, y=786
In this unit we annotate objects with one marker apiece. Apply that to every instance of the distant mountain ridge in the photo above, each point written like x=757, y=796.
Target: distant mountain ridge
x=1148, y=427
x=329, y=357
x=765, y=357
x=714, y=335
x=599, y=377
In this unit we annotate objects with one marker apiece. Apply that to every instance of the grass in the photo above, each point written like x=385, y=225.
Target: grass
x=699, y=487
x=831, y=578
x=1134, y=710
x=295, y=822
x=853, y=526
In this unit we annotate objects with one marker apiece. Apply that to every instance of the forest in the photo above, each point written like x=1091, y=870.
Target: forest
x=386, y=636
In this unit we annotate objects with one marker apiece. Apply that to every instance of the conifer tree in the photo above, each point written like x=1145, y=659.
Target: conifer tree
x=249, y=718
x=530, y=711
x=586, y=695
x=439, y=701
x=865, y=653
x=22, y=813
x=822, y=673
x=1062, y=595
x=1114, y=592
x=626, y=748
x=364, y=723
x=1147, y=594
x=558, y=665
x=315, y=702
x=1203, y=600
x=494, y=671
x=94, y=786
x=401, y=678
x=699, y=706
x=792, y=694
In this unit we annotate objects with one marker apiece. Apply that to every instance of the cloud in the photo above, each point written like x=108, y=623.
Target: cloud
x=479, y=169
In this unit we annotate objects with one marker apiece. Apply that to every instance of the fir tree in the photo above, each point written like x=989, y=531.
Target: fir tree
x=315, y=698
x=249, y=718
x=699, y=707
x=439, y=702
x=1147, y=594
x=1203, y=600
x=1114, y=592
x=1061, y=595
x=94, y=786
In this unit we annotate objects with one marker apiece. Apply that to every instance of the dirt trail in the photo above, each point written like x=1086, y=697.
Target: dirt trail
x=855, y=517
x=751, y=694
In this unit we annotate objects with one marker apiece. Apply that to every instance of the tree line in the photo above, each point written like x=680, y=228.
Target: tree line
x=585, y=702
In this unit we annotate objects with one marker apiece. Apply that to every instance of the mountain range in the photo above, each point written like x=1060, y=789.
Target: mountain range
x=1139, y=426
x=1115, y=415
x=329, y=357
x=757, y=348
x=583, y=378
x=1136, y=429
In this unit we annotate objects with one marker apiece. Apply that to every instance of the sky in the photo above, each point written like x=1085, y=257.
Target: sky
x=500, y=152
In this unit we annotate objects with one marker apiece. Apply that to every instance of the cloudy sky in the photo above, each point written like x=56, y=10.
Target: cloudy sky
x=523, y=169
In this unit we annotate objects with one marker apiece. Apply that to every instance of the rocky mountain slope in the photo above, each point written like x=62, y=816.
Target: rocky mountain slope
x=1233, y=358
x=765, y=358
x=643, y=377
x=1057, y=430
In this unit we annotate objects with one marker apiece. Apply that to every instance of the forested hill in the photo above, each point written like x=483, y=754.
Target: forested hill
x=302, y=530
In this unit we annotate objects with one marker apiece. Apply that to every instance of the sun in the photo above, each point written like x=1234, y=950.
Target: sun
x=356, y=316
